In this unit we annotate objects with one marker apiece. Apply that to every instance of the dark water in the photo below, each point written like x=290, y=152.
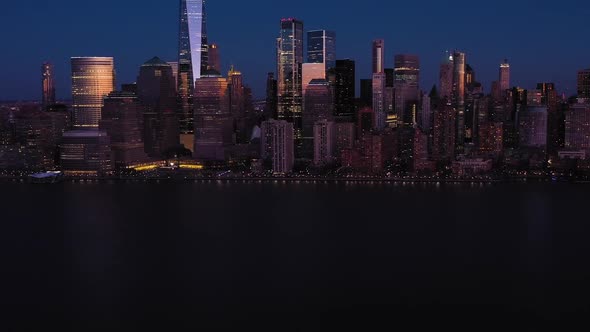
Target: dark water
x=264, y=257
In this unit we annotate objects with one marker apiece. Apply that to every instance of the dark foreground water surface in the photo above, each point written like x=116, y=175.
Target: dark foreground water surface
x=294, y=257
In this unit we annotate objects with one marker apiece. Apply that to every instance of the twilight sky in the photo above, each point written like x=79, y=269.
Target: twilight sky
x=544, y=40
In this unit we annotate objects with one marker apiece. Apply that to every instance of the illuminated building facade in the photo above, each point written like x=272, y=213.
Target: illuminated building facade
x=214, y=58
x=92, y=79
x=458, y=100
x=533, y=127
x=324, y=142
x=379, y=101
x=504, y=77
x=577, y=128
x=86, y=152
x=584, y=84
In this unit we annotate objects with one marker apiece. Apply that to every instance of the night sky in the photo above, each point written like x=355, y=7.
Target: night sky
x=544, y=40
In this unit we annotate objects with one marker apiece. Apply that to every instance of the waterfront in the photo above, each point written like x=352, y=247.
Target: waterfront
x=293, y=257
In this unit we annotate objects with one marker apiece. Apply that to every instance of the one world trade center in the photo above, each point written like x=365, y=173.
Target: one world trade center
x=192, y=58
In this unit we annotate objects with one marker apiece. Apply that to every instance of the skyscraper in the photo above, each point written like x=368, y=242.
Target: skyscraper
x=192, y=60
x=120, y=116
x=321, y=48
x=577, y=128
x=406, y=87
x=277, y=143
x=379, y=108
x=213, y=125
x=324, y=142
x=92, y=79
x=48, y=87
x=504, y=77
x=289, y=80
x=157, y=96
x=214, y=58
x=459, y=64
x=344, y=88
x=378, y=56
x=533, y=127
x=446, y=77
x=584, y=83
x=270, y=109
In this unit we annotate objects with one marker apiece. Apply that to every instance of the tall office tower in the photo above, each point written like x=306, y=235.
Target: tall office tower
x=289, y=80
x=120, y=115
x=324, y=142
x=366, y=92
x=577, y=128
x=345, y=137
x=237, y=105
x=378, y=56
x=48, y=85
x=584, y=83
x=406, y=87
x=86, y=153
x=533, y=127
x=92, y=79
x=318, y=104
x=321, y=48
x=278, y=145
x=174, y=66
x=214, y=58
x=491, y=139
x=446, y=77
x=504, y=77
x=270, y=109
x=379, y=101
x=193, y=59
x=458, y=101
x=309, y=72
x=156, y=90
x=213, y=125
x=345, y=88
x=555, y=118
x=443, y=144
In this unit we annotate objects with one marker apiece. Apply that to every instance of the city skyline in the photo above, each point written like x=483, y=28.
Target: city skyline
x=486, y=49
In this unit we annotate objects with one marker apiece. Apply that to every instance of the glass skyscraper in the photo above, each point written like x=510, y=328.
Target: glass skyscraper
x=289, y=82
x=192, y=58
x=93, y=78
x=321, y=48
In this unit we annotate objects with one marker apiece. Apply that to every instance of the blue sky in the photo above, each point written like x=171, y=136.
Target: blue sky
x=544, y=41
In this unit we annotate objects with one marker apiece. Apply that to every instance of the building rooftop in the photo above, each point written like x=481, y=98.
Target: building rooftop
x=155, y=61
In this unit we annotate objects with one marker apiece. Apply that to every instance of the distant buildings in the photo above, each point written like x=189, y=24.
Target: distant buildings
x=92, y=79
x=344, y=88
x=214, y=58
x=504, y=77
x=407, y=88
x=378, y=56
x=321, y=49
x=533, y=127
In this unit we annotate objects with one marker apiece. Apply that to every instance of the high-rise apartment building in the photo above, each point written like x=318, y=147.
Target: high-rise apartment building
x=92, y=79
x=324, y=142
x=406, y=87
x=378, y=56
x=504, y=77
